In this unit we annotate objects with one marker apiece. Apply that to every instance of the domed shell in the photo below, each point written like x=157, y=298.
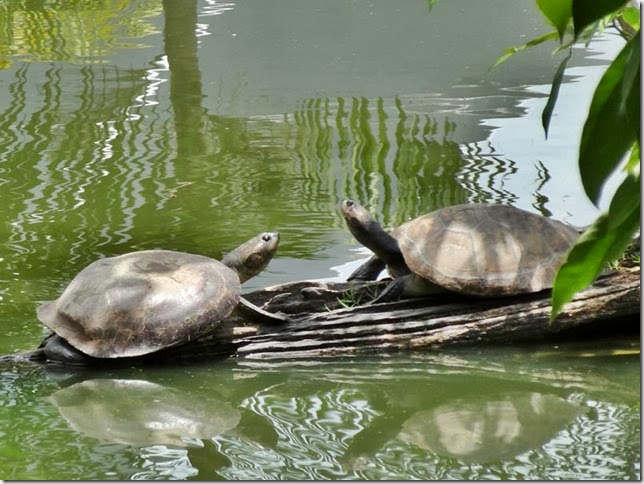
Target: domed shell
x=137, y=303
x=485, y=249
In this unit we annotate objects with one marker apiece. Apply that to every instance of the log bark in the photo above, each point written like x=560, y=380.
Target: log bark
x=321, y=326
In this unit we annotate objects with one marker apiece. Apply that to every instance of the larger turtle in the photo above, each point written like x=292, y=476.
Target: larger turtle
x=141, y=302
x=486, y=250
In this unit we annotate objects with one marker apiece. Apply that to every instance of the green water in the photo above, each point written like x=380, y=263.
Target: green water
x=185, y=125
x=547, y=413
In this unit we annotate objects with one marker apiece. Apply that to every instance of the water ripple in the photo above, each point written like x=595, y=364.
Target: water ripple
x=313, y=435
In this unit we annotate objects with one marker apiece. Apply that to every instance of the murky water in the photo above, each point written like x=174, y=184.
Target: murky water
x=192, y=126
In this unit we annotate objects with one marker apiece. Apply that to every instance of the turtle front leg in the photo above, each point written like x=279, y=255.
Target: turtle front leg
x=369, y=271
x=393, y=292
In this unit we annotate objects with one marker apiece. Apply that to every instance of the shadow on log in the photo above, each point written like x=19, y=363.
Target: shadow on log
x=322, y=326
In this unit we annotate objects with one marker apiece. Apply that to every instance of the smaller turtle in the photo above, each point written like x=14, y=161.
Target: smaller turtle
x=141, y=302
x=486, y=250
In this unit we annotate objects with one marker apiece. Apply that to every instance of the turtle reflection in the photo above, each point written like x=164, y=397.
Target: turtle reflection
x=138, y=412
x=490, y=430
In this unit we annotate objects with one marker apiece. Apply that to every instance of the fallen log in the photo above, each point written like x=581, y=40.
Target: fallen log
x=321, y=326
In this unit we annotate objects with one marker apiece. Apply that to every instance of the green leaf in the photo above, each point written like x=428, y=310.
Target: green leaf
x=510, y=51
x=612, y=124
x=633, y=163
x=604, y=241
x=623, y=203
x=631, y=16
x=558, y=13
x=554, y=93
x=586, y=12
x=630, y=99
x=507, y=53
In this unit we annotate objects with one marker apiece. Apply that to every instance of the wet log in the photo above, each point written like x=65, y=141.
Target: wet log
x=321, y=326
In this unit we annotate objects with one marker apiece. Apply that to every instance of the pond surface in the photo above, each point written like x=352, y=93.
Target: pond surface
x=550, y=412
x=194, y=125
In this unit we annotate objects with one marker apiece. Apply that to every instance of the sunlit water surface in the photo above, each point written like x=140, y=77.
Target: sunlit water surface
x=193, y=125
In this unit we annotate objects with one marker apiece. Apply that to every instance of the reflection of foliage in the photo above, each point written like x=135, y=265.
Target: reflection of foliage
x=78, y=31
x=377, y=152
x=48, y=180
x=611, y=133
x=93, y=170
x=481, y=168
x=431, y=4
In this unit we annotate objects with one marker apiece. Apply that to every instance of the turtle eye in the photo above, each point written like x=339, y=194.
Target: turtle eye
x=266, y=237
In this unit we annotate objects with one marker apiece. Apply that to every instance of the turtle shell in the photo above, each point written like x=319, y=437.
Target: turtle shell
x=137, y=303
x=485, y=249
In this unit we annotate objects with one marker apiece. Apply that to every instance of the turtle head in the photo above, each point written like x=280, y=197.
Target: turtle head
x=362, y=225
x=355, y=214
x=250, y=258
x=370, y=233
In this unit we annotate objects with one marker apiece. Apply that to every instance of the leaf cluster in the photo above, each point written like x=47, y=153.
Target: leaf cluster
x=610, y=137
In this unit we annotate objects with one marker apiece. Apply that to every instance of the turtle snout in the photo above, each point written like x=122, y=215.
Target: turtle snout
x=353, y=212
x=355, y=215
x=347, y=207
x=271, y=238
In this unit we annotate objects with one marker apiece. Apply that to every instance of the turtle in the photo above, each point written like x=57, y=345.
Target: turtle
x=137, y=303
x=474, y=249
